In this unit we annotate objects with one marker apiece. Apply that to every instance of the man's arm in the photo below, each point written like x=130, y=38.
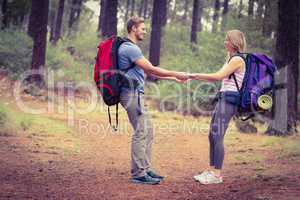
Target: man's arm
x=157, y=71
x=171, y=78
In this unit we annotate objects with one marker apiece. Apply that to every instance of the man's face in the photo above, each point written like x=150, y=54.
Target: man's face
x=140, y=31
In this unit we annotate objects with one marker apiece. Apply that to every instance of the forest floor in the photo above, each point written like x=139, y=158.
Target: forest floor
x=49, y=159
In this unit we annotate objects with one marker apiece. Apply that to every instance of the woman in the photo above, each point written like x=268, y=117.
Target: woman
x=226, y=106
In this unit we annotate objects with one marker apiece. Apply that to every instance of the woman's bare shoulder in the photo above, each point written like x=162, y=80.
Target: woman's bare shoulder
x=237, y=59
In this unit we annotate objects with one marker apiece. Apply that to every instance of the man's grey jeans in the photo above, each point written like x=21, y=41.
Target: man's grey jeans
x=142, y=138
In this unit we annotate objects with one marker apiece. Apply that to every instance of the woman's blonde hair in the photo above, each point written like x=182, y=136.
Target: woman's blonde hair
x=238, y=40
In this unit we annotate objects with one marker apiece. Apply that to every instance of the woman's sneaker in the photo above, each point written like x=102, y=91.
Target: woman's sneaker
x=202, y=175
x=211, y=178
x=146, y=180
x=208, y=177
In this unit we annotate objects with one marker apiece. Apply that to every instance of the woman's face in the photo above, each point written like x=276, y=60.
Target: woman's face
x=228, y=45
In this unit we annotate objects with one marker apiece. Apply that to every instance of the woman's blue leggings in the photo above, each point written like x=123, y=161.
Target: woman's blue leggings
x=221, y=117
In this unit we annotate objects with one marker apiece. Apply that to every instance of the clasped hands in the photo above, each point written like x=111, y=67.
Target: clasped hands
x=183, y=77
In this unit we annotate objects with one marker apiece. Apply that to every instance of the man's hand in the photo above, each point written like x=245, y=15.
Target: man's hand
x=157, y=71
x=180, y=80
x=183, y=76
x=171, y=78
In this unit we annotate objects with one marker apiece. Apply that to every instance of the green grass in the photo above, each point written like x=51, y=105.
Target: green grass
x=31, y=123
x=272, y=141
x=38, y=127
x=253, y=149
x=290, y=149
x=248, y=158
x=3, y=115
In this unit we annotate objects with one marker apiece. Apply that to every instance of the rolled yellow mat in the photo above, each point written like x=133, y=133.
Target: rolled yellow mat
x=265, y=102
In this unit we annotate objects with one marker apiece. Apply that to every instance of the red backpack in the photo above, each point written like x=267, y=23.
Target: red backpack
x=107, y=75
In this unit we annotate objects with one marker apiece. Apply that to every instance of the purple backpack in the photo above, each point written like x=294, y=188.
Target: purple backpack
x=258, y=81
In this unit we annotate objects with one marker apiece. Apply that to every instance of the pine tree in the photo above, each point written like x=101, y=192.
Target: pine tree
x=38, y=31
x=287, y=61
x=195, y=22
x=155, y=41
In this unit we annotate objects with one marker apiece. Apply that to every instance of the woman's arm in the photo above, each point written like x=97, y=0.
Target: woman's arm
x=234, y=64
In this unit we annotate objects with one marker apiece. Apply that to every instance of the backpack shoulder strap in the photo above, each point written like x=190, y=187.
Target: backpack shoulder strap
x=236, y=83
x=233, y=75
x=125, y=39
x=239, y=55
x=114, y=127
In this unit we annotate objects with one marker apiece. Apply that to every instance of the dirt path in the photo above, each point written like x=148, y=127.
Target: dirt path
x=101, y=171
x=90, y=166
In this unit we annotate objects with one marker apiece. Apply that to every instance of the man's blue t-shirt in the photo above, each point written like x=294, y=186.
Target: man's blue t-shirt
x=128, y=53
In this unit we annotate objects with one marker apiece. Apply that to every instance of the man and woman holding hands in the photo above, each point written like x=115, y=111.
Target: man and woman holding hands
x=132, y=99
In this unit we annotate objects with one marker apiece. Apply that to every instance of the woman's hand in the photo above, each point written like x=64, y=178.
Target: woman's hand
x=193, y=75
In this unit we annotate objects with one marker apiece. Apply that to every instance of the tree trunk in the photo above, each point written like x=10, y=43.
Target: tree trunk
x=126, y=11
x=13, y=12
x=74, y=15
x=59, y=18
x=38, y=31
x=102, y=15
x=26, y=22
x=132, y=7
x=240, y=9
x=267, y=21
x=78, y=11
x=110, y=20
x=173, y=15
x=52, y=15
x=164, y=17
x=186, y=10
x=201, y=5
x=287, y=60
x=195, y=20
x=141, y=8
x=145, y=14
x=260, y=8
x=250, y=7
x=216, y=16
x=21, y=16
x=224, y=15
x=5, y=14
x=155, y=41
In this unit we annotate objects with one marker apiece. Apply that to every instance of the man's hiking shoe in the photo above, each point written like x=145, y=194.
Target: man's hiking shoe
x=154, y=175
x=146, y=180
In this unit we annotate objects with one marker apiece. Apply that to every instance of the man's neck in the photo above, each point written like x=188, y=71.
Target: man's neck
x=132, y=38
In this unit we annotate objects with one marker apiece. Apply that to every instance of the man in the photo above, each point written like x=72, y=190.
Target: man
x=135, y=65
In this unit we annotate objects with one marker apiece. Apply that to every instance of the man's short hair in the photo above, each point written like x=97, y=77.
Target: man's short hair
x=134, y=21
